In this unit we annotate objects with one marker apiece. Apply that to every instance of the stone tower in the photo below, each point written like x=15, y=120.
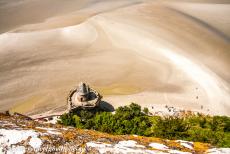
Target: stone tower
x=83, y=92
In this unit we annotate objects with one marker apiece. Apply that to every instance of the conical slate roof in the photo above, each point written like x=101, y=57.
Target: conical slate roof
x=83, y=89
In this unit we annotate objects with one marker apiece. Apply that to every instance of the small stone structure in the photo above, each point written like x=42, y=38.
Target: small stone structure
x=83, y=96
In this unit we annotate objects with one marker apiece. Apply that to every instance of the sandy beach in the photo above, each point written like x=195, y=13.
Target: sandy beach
x=153, y=53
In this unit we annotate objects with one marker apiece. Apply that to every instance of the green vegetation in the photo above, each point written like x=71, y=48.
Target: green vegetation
x=133, y=120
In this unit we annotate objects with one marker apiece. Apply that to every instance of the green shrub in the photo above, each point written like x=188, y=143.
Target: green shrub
x=146, y=110
x=225, y=142
x=206, y=135
x=171, y=127
x=104, y=122
x=77, y=121
x=67, y=120
x=131, y=120
x=220, y=123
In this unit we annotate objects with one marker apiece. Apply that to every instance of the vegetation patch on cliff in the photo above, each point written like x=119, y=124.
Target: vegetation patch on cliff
x=133, y=119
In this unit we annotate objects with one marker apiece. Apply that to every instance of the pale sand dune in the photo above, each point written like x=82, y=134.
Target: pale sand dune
x=29, y=15
x=15, y=13
x=140, y=51
x=212, y=16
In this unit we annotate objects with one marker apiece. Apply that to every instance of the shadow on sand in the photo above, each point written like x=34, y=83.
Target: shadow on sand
x=106, y=106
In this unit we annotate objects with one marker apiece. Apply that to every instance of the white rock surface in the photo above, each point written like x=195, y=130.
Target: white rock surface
x=53, y=132
x=127, y=147
x=219, y=151
x=122, y=147
x=16, y=150
x=15, y=136
x=158, y=146
x=186, y=144
x=178, y=152
x=129, y=143
x=50, y=130
x=35, y=142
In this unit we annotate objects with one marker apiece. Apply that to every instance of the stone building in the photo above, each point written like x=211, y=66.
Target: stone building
x=83, y=92
x=83, y=96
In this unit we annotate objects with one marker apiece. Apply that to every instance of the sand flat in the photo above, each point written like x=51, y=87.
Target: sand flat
x=148, y=52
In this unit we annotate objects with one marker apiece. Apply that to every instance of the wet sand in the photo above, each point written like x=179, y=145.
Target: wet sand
x=148, y=52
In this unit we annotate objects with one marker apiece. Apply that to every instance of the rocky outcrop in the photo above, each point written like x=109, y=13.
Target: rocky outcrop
x=19, y=134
